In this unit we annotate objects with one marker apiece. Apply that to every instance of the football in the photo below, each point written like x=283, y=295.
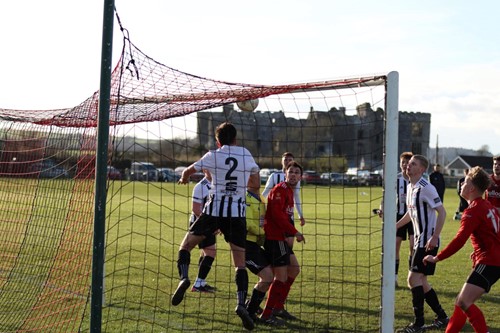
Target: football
x=249, y=105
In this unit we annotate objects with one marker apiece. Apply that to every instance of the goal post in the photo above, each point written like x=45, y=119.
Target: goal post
x=391, y=160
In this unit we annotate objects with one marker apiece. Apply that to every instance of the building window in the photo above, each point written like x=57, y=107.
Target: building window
x=417, y=129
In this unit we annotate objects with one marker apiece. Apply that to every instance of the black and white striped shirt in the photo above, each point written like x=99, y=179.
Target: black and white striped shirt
x=230, y=167
x=402, y=188
x=422, y=199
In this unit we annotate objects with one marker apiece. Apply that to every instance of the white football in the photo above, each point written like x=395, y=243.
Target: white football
x=249, y=105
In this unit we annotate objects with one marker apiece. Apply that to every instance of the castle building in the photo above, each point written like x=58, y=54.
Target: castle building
x=359, y=138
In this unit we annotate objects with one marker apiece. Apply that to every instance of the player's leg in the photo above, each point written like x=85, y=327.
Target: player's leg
x=193, y=237
x=399, y=240
x=481, y=279
x=209, y=250
x=279, y=254
x=235, y=231
x=293, y=271
x=258, y=264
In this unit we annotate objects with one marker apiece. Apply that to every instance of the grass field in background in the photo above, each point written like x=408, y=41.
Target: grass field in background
x=340, y=262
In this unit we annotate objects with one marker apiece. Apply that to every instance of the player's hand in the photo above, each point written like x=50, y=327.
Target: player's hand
x=302, y=221
x=300, y=237
x=182, y=181
x=431, y=259
x=431, y=244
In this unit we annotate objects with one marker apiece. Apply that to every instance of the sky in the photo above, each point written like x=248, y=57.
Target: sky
x=447, y=52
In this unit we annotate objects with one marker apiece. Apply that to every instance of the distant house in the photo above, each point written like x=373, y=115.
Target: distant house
x=457, y=166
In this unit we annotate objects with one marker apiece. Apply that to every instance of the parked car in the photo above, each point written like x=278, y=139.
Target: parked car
x=47, y=169
x=114, y=173
x=167, y=175
x=143, y=171
x=334, y=178
x=311, y=177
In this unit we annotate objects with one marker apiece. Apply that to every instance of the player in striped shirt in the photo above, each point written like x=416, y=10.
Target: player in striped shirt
x=405, y=232
x=207, y=246
x=423, y=203
x=233, y=169
x=481, y=222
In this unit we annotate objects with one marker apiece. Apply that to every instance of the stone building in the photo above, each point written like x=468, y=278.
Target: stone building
x=359, y=138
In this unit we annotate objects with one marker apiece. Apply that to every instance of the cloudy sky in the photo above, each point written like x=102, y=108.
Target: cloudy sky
x=447, y=52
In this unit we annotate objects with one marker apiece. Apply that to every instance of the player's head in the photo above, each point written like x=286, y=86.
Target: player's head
x=496, y=165
x=225, y=134
x=293, y=173
x=404, y=158
x=417, y=165
x=476, y=182
x=286, y=158
x=437, y=167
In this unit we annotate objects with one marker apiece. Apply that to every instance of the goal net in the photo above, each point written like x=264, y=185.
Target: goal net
x=162, y=119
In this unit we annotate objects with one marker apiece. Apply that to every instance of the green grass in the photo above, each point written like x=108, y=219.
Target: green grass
x=338, y=289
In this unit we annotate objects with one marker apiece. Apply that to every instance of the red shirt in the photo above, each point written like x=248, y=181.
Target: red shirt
x=493, y=192
x=278, y=222
x=481, y=222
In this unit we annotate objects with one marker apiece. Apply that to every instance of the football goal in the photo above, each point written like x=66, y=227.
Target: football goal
x=342, y=131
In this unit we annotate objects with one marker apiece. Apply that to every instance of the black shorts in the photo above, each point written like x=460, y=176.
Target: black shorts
x=484, y=276
x=278, y=251
x=417, y=261
x=256, y=258
x=405, y=230
x=208, y=241
x=234, y=229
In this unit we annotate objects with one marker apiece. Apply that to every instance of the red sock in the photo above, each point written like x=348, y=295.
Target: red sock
x=457, y=321
x=286, y=290
x=275, y=295
x=476, y=319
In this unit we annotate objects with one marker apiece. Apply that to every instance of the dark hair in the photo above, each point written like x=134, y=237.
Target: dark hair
x=479, y=178
x=496, y=158
x=225, y=134
x=287, y=154
x=296, y=165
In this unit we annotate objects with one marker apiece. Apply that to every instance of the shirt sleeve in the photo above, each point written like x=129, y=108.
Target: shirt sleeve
x=466, y=228
x=269, y=185
x=298, y=202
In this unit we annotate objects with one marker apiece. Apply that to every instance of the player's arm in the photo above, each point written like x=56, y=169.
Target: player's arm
x=434, y=240
x=298, y=204
x=269, y=185
x=455, y=245
x=186, y=173
x=404, y=220
x=254, y=182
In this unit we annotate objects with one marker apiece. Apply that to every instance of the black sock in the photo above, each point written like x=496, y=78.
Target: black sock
x=255, y=301
x=418, y=304
x=397, y=266
x=241, y=279
x=431, y=299
x=183, y=261
x=205, y=266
